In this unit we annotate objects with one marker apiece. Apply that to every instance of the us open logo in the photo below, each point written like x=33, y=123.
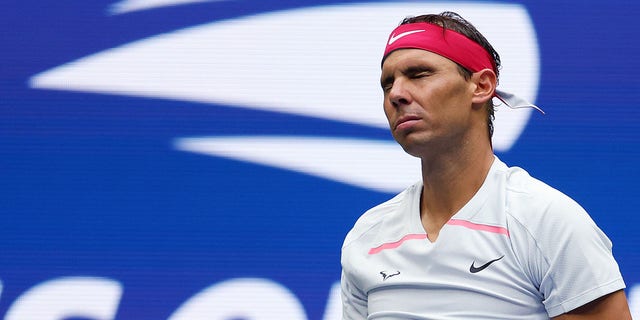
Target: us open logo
x=289, y=62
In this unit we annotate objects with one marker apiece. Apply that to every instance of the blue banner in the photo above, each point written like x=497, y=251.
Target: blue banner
x=176, y=159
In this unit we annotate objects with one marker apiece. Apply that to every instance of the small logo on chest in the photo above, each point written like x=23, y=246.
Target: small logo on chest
x=388, y=274
x=474, y=269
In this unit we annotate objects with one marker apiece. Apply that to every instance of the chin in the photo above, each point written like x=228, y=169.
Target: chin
x=412, y=149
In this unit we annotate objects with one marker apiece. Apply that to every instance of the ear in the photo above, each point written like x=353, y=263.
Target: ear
x=486, y=82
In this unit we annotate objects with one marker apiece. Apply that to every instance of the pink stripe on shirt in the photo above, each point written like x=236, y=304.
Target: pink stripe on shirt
x=393, y=245
x=477, y=226
x=455, y=222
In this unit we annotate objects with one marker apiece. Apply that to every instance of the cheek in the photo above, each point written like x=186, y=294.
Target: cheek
x=389, y=111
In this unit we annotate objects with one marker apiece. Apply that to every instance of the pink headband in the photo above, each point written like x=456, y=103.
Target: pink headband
x=445, y=42
x=453, y=46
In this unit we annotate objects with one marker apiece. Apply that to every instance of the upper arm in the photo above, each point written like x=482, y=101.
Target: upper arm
x=611, y=306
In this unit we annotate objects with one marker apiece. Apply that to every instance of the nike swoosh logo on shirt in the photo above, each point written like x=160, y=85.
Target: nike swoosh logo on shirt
x=474, y=269
x=398, y=36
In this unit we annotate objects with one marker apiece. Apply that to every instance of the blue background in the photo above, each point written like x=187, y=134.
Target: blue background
x=91, y=185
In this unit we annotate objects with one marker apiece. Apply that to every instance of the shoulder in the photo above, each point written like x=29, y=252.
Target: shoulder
x=536, y=204
x=368, y=224
x=546, y=223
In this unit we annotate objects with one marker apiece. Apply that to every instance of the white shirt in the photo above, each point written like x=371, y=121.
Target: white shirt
x=518, y=249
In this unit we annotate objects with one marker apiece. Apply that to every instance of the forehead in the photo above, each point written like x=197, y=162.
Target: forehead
x=408, y=58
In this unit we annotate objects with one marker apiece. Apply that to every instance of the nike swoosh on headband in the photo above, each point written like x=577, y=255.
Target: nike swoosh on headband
x=393, y=37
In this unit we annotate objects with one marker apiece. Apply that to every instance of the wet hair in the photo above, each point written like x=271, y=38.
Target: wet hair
x=453, y=21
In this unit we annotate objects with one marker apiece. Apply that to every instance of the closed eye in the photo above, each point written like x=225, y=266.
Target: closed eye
x=418, y=72
x=413, y=72
x=420, y=75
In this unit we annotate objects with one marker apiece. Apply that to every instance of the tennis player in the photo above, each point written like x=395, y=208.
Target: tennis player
x=475, y=238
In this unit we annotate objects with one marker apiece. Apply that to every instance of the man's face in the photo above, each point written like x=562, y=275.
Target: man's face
x=426, y=100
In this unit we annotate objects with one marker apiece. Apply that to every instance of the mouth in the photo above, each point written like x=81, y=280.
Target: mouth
x=406, y=121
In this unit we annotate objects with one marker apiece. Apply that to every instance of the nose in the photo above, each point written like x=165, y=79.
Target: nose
x=398, y=94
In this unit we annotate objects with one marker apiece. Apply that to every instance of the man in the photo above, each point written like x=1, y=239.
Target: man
x=474, y=239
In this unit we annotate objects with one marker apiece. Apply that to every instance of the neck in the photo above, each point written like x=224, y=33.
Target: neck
x=450, y=181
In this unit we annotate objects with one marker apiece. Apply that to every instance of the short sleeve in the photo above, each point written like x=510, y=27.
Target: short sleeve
x=354, y=303
x=570, y=258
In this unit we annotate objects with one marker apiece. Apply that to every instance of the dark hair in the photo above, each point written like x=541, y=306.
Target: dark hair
x=453, y=21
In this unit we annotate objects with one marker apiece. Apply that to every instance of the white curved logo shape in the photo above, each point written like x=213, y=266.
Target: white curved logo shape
x=269, y=301
x=377, y=165
x=66, y=297
x=126, y=6
x=321, y=62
